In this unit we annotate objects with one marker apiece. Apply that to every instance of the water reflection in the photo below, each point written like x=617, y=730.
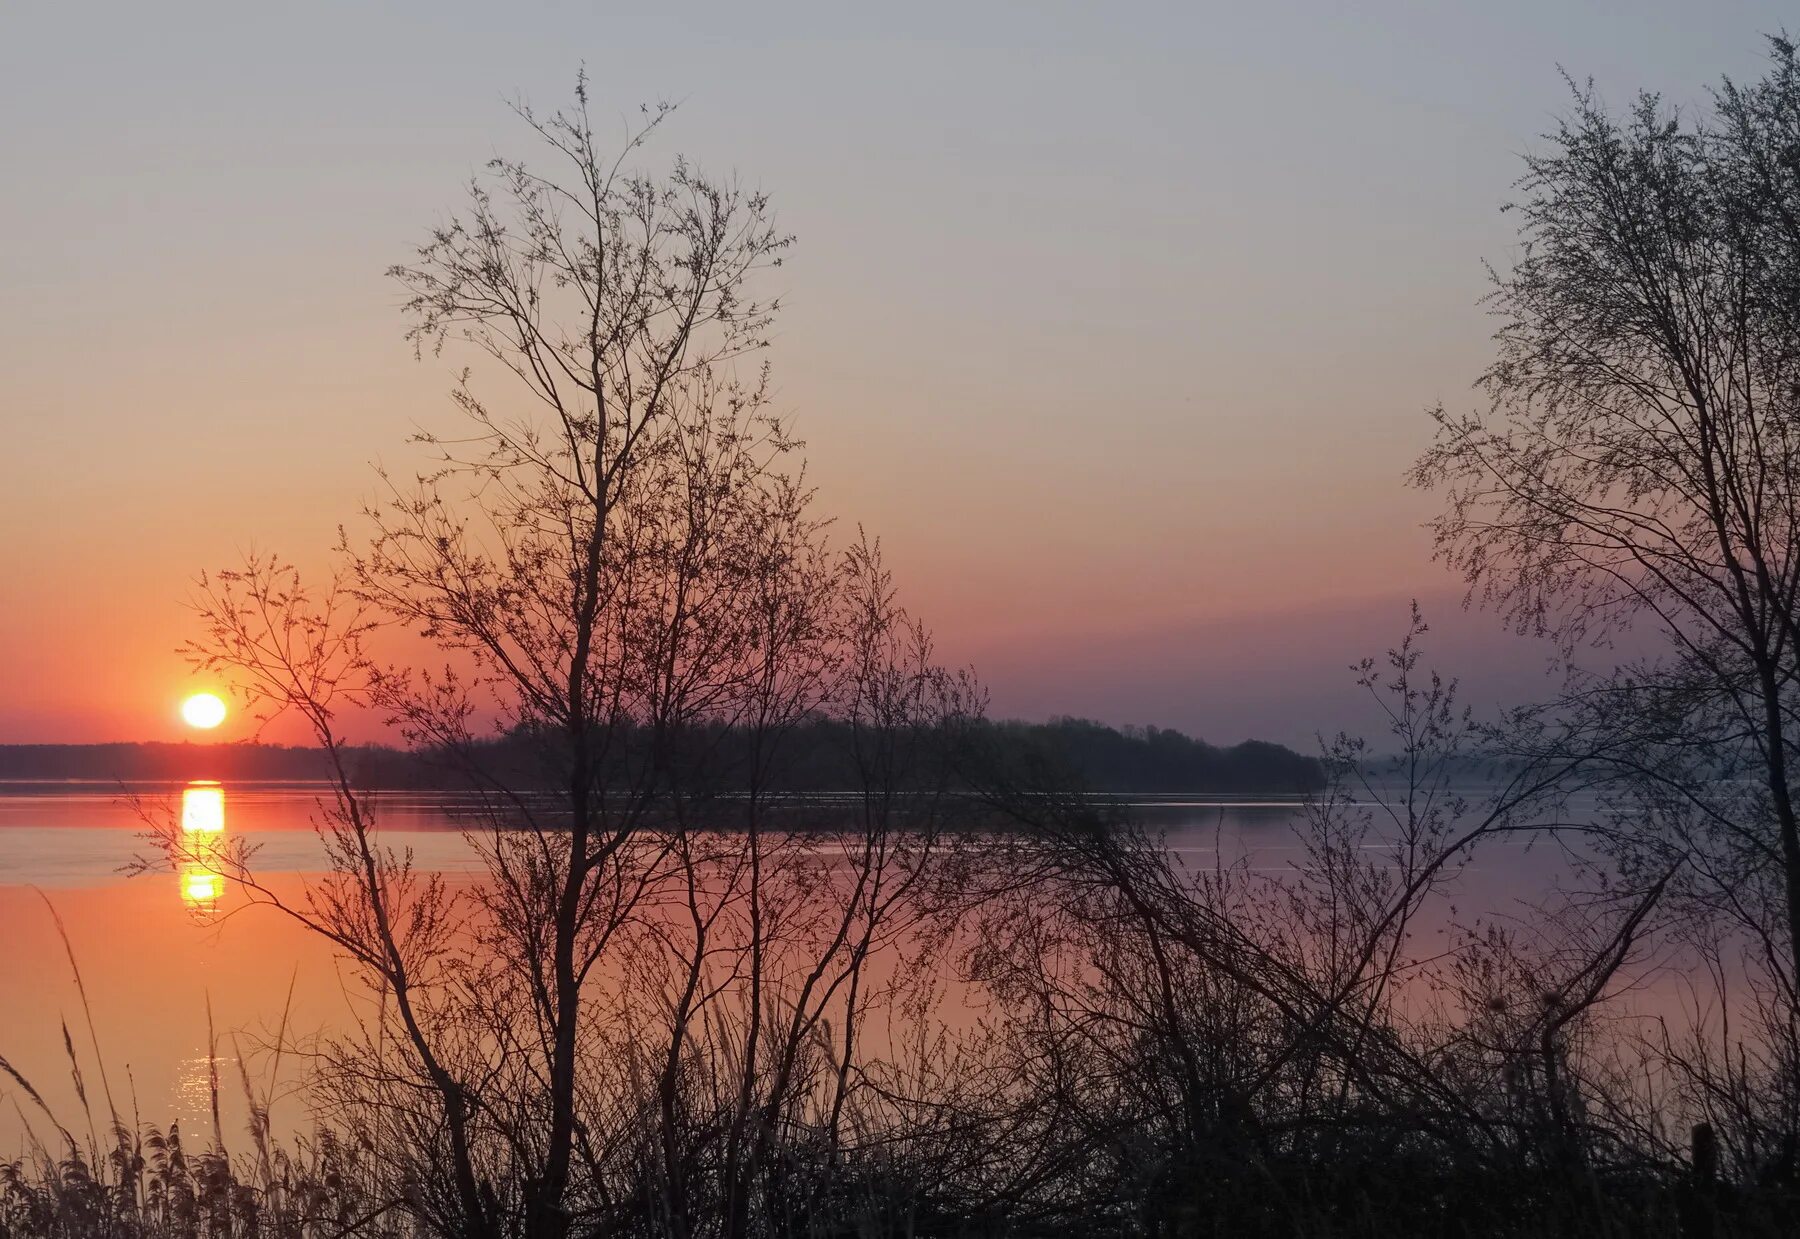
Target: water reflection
x=203, y=807
x=203, y=838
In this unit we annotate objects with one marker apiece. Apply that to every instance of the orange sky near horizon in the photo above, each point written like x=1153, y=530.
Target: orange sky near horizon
x=1116, y=328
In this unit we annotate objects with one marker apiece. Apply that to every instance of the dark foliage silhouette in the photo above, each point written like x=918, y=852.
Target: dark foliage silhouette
x=973, y=994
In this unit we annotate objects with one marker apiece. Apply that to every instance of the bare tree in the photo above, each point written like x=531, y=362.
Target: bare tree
x=616, y=556
x=596, y=553
x=290, y=649
x=1640, y=459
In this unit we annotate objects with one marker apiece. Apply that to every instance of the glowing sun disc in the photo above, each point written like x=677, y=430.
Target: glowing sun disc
x=203, y=710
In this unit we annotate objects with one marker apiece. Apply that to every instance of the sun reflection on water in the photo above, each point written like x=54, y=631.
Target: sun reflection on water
x=203, y=808
x=203, y=837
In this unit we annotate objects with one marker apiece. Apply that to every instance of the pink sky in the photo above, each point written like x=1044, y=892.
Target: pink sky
x=1117, y=329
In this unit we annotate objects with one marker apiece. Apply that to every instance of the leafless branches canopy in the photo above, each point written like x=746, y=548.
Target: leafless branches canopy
x=678, y=999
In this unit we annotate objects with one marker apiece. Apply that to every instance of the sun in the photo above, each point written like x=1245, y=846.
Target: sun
x=203, y=710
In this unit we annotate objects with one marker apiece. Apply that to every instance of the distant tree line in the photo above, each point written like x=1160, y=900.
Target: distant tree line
x=819, y=758
x=1158, y=759
x=157, y=761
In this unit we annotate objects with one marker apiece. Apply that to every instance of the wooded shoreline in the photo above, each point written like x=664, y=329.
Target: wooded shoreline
x=1099, y=758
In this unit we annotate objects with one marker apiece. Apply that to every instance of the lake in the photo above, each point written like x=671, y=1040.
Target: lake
x=160, y=953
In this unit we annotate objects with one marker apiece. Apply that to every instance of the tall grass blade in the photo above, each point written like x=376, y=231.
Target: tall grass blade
x=87, y=1009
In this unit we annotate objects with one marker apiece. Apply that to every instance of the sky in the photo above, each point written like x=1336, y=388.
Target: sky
x=1117, y=323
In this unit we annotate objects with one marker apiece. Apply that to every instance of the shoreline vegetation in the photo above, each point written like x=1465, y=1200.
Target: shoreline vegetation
x=630, y=1023
x=1096, y=757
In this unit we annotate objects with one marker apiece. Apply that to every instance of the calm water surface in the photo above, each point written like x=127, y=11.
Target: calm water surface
x=162, y=956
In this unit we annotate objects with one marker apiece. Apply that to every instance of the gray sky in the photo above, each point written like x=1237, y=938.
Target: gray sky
x=1115, y=321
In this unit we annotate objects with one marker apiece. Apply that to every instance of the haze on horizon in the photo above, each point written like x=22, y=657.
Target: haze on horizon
x=1116, y=327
